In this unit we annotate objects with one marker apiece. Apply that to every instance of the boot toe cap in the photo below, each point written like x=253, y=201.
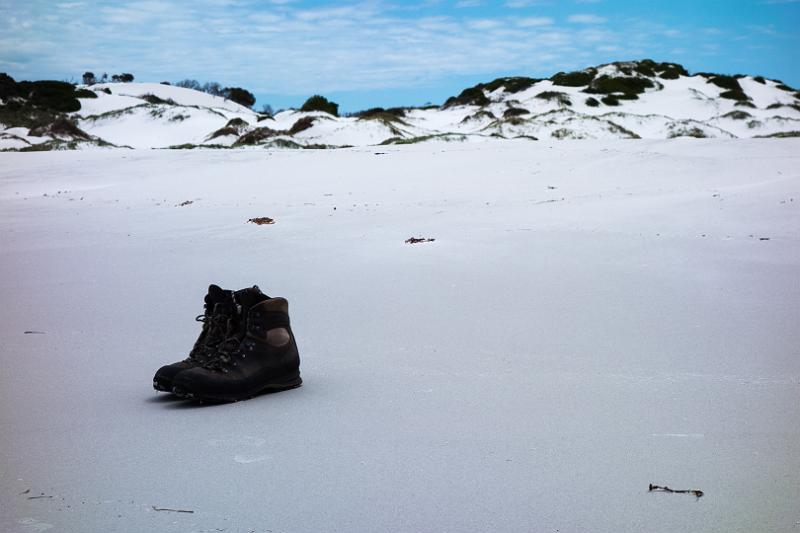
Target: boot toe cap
x=164, y=376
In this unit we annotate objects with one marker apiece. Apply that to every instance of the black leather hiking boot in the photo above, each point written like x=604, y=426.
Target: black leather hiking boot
x=219, y=308
x=258, y=356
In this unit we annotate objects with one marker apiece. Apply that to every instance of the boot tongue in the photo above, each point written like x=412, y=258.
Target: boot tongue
x=224, y=308
x=249, y=297
x=217, y=295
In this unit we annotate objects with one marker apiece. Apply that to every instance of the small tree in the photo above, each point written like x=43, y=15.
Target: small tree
x=189, y=84
x=8, y=87
x=320, y=103
x=212, y=87
x=104, y=78
x=125, y=77
x=239, y=95
x=88, y=78
x=266, y=109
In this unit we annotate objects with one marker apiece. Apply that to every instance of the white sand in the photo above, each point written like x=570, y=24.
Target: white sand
x=592, y=317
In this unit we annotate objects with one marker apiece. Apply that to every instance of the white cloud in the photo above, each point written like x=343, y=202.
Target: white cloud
x=528, y=22
x=519, y=4
x=585, y=18
x=484, y=24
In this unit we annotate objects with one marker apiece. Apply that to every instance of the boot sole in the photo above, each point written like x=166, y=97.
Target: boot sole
x=161, y=387
x=228, y=398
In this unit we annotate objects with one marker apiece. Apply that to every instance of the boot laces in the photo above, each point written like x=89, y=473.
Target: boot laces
x=227, y=349
x=215, y=334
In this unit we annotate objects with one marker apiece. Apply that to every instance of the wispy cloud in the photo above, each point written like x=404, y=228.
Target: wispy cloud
x=585, y=18
x=528, y=22
x=519, y=4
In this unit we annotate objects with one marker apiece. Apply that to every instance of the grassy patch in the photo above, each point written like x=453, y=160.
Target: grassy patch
x=237, y=123
x=476, y=96
x=592, y=102
x=688, y=132
x=555, y=96
x=738, y=115
x=628, y=87
x=780, y=135
x=16, y=114
x=514, y=84
x=515, y=121
x=115, y=113
x=471, y=96
x=59, y=144
x=61, y=126
x=479, y=115
x=566, y=133
x=301, y=124
x=515, y=112
x=190, y=146
x=731, y=83
x=256, y=136
x=796, y=107
x=234, y=126
x=449, y=137
x=381, y=113
x=222, y=132
x=153, y=99
x=610, y=100
x=41, y=147
x=578, y=78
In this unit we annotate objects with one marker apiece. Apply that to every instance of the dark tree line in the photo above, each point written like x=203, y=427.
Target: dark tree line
x=90, y=79
x=236, y=94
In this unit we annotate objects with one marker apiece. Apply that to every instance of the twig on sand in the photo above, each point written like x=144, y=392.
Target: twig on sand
x=41, y=496
x=261, y=220
x=415, y=240
x=170, y=510
x=24, y=492
x=30, y=332
x=656, y=488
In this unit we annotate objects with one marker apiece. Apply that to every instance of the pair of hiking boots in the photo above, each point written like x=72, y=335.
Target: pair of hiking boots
x=246, y=348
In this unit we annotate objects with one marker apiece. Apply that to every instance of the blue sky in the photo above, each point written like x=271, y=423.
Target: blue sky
x=385, y=53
